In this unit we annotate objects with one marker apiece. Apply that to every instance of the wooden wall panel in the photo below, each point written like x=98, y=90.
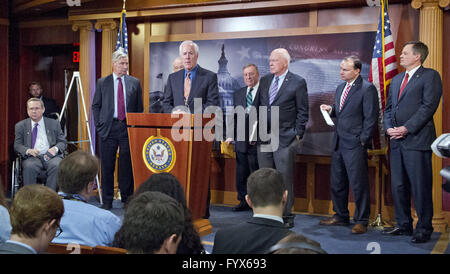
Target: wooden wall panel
x=4, y=108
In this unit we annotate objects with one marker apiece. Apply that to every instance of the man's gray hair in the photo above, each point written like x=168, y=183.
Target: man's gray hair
x=188, y=42
x=118, y=54
x=284, y=53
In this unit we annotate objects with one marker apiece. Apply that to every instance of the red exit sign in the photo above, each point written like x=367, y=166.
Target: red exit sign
x=76, y=53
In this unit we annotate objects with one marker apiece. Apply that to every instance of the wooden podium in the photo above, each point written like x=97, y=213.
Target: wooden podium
x=162, y=143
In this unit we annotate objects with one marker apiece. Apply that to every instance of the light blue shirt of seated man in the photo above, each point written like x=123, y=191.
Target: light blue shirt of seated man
x=5, y=225
x=86, y=224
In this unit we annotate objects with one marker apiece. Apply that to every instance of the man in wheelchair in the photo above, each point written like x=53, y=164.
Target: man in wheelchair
x=41, y=143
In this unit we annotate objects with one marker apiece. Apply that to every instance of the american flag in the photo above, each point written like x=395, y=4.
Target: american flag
x=383, y=68
x=122, y=36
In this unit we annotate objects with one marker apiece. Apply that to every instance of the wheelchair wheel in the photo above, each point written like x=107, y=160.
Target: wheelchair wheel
x=15, y=184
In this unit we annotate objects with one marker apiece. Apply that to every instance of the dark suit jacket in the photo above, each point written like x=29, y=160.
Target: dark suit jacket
x=292, y=100
x=240, y=99
x=12, y=248
x=103, y=103
x=255, y=236
x=203, y=86
x=23, y=133
x=359, y=115
x=414, y=109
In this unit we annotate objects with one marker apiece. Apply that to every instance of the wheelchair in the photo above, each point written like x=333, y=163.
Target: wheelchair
x=17, y=178
x=16, y=168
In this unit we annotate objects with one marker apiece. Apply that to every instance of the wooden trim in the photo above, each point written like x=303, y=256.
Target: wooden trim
x=211, y=9
x=45, y=23
x=4, y=22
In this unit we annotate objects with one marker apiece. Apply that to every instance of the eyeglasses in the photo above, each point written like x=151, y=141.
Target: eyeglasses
x=58, y=231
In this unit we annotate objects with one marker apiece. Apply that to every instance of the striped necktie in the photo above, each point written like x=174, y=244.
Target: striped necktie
x=344, y=96
x=249, y=97
x=405, y=82
x=273, y=90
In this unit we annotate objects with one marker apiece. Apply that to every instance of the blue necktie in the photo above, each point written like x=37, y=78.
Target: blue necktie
x=273, y=90
x=34, y=135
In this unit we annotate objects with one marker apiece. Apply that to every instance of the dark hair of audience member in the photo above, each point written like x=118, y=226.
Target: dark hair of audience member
x=169, y=184
x=150, y=218
x=295, y=243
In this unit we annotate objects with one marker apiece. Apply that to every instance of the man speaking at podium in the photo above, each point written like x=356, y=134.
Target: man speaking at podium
x=115, y=95
x=191, y=82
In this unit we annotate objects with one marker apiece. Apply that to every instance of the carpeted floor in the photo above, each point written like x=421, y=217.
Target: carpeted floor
x=334, y=239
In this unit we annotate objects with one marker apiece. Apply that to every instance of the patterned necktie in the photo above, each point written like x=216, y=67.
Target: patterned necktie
x=187, y=85
x=273, y=90
x=34, y=135
x=249, y=97
x=120, y=101
x=344, y=96
x=405, y=82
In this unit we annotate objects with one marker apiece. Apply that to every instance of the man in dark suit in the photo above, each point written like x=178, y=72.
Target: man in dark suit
x=51, y=108
x=286, y=93
x=115, y=95
x=408, y=119
x=356, y=110
x=41, y=143
x=267, y=196
x=192, y=82
x=246, y=157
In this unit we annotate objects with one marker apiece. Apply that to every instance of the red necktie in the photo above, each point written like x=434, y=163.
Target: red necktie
x=344, y=96
x=405, y=82
x=120, y=101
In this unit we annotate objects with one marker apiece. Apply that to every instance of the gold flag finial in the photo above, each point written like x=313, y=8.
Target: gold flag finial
x=124, y=2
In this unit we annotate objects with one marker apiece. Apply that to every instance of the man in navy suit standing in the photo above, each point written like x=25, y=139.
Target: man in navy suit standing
x=413, y=99
x=356, y=110
x=192, y=82
x=246, y=157
x=115, y=95
x=285, y=92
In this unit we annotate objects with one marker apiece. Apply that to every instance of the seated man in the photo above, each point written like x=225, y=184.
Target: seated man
x=83, y=223
x=153, y=224
x=41, y=142
x=267, y=195
x=35, y=214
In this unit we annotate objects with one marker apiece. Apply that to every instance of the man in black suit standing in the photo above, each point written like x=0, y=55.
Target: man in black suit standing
x=286, y=92
x=413, y=99
x=246, y=157
x=51, y=108
x=267, y=196
x=115, y=95
x=192, y=82
x=356, y=110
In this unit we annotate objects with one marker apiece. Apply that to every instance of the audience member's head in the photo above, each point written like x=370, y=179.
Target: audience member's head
x=77, y=172
x=35, y=215
x=153, y=223
x=169, y=185
x=266, y=191
x=166, y=183
x=296, y=244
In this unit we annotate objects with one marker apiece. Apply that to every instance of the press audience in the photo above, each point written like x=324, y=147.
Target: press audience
x=5, y=223
x=153, y=224
x=35, y=215
x=82, y=222
x=169, y=185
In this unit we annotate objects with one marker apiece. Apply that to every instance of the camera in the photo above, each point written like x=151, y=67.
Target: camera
x=441, y=147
